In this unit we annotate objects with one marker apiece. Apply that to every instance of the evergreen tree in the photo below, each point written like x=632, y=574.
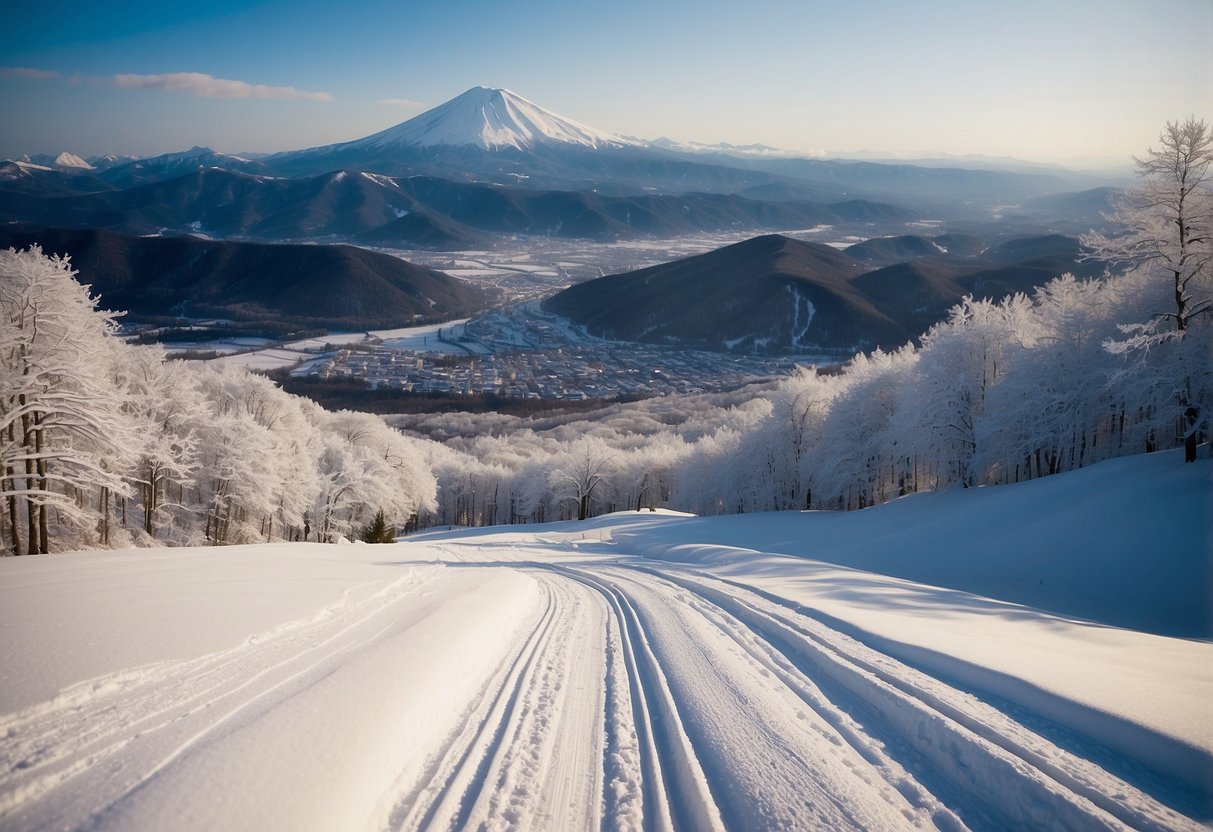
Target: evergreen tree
x=379, y=531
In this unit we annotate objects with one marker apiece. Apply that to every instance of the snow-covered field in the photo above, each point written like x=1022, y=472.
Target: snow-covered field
x=641, y=670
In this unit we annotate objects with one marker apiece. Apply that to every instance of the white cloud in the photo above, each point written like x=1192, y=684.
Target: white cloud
x=27, y=72
x=406, y=103
x=201, y=85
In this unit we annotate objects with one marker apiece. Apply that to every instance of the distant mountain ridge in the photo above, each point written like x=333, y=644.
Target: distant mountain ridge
x=408, y=212
x=578, y=178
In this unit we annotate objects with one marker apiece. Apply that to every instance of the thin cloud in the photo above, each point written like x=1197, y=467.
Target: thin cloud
x=28, y=72
x=406, y=103
x=201, y=85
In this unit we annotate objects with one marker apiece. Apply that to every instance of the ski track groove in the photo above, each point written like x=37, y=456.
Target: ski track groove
x=458, y=782
x=951, y=726
x=83, y=730
x=674, y=788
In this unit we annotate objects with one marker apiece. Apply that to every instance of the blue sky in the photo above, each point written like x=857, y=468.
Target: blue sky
x=1084, y=82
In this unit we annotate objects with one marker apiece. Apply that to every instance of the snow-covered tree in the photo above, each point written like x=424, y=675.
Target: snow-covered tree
x=63, y=436
x=580, y=471
x=1166, y=224
x=164, y=402
x=1165, y=227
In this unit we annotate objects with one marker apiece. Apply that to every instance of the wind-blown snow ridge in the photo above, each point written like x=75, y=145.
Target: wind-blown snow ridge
x=490, y=119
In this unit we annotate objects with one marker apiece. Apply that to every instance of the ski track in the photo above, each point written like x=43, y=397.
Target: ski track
x=632, y=696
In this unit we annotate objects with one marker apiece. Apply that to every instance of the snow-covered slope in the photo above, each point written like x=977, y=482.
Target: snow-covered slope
x=489, y=119
x=71, y=160
x=557, y=677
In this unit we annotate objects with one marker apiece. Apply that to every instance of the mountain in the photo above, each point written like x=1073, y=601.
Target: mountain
x=171, y=165
x=338, y=287
x=61, y=161
x=1083, y=207
x=488, y=119
x=109, y=160
x=769, y=293
x=493, y=162
x=410, y=212
x=483, y=131
x=775, y=294
x=33, y=180
x=496, y=136
x=888, y=250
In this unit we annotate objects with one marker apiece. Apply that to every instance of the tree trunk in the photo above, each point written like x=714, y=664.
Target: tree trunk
x=149, y=504
x=43, y=524
x=31, y=513
x=10, y=484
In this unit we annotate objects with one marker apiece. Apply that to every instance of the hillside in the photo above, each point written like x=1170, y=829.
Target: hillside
x=306, y=285
x=635, y=667
x=777, y=294
x=885, y=251
x=770, y=292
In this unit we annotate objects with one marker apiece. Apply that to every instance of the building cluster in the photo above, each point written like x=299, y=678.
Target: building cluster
x=521, y=352
x=569, y=372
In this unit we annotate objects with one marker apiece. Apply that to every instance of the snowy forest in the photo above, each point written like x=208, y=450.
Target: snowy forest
x=108, y=444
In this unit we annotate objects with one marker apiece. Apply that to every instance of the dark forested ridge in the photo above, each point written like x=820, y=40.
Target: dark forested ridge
x=413, y=211
x=778, y=294
x=332, y=286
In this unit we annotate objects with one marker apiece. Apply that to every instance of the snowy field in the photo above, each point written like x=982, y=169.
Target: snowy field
x=297, y=353
x=1004, y=658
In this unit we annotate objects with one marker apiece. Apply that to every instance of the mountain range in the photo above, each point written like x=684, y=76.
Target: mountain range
x=494, y=137
x=489, y=165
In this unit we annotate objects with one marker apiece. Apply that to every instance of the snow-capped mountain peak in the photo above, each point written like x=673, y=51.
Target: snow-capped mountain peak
x=490, y=118
x=71, y=160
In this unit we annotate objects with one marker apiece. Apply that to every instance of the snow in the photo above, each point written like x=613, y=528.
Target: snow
x=488, y=118
x=267, y=359
x=799, y=330
x=299, y=354
x=71, y=160
x=922, y=664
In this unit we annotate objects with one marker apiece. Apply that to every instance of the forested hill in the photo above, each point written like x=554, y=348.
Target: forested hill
x=333, y=286
x=777, y=294
x=770, y=290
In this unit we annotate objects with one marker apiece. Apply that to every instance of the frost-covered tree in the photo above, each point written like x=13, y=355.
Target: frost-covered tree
x=643, y=473
x=63, y=435
x=1166, y=224
x=580, y=471
x=164, y=403
x=1165, y=227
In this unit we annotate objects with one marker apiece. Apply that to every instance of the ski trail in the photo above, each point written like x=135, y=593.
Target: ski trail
x=502, y=688
x=530, y=753
x=732, y=754
x=1010, y=775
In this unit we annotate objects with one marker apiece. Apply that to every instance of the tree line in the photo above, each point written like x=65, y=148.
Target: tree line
x=104, y=443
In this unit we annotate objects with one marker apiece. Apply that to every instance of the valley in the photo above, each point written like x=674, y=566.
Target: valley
x=564, y=263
